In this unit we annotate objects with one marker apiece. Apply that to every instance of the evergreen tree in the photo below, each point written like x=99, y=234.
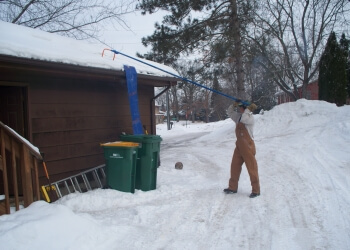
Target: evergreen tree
x=332, y=75
x=324, y=75
x=212, y=27
x=345, y=46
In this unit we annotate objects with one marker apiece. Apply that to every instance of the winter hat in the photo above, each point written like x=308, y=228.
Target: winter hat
x=252, y=107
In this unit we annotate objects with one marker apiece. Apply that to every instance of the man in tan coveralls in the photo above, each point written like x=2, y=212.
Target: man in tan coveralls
x=245, y=148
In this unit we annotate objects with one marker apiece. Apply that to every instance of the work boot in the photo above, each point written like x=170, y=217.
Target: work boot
x=253, y=195
x=229, y=191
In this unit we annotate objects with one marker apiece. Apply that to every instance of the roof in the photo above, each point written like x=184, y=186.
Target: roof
x=24, y=42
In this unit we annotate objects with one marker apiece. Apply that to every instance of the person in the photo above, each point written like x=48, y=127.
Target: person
x=245, y=149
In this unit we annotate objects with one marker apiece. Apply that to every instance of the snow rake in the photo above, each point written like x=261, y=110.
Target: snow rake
x=177, y=76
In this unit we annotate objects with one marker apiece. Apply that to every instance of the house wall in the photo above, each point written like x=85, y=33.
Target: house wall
x=70, y=115
x=311, y=93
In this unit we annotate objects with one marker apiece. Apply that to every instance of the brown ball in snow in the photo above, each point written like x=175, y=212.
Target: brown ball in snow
x=179, y=165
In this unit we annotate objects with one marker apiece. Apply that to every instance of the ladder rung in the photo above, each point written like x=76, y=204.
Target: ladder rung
x=66, y=185
x=86, y=181
x=77, y=183
x=103, y=172
x=71, y=181
x=97, y=178
x=58, y=190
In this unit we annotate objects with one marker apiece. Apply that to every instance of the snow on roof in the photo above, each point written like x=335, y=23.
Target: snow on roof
x=24, y=42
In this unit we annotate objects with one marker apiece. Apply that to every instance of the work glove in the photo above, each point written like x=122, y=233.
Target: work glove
x=236, y=103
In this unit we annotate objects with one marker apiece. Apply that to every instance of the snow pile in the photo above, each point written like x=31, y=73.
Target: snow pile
x=303, y=152
x=21, y=41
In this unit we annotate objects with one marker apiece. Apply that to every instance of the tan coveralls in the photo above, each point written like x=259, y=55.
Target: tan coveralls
x=244, y=153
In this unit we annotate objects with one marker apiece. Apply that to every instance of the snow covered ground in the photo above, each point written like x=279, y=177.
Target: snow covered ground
x=303, y=153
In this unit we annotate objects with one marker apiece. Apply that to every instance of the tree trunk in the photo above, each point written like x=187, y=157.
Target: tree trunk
x=236, y=35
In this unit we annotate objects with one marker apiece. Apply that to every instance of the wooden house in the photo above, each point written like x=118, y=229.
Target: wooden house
x=65, y=98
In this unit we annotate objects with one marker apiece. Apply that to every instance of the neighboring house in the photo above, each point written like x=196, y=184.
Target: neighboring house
x=311, y=93
x=65, y=98
x=159, y=114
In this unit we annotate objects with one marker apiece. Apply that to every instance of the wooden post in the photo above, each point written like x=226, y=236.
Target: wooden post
x=14, y=173
x=26, y=177
x=36, y=179
x=4, y=172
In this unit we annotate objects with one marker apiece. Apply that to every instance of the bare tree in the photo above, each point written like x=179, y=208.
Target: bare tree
x=191, y=98
x=297, y=32
x=80, y=19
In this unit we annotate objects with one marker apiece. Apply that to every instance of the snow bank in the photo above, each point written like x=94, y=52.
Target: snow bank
x=52, y=226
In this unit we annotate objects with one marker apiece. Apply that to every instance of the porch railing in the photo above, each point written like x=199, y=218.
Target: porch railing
x=19, y=162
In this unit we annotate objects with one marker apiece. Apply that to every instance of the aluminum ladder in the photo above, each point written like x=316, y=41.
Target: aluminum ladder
x=82, y=182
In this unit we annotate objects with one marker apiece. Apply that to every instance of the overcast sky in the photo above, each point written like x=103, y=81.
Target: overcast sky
x=129, y=41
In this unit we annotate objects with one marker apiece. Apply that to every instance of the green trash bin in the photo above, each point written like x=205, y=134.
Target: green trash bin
x=147, y=160
x=121, y=165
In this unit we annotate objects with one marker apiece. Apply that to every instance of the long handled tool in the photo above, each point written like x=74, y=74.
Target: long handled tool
x=180, y=77
x=48, y=191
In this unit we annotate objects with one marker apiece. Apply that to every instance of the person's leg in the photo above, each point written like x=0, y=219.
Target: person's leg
x=252, y=167
x=236, y=168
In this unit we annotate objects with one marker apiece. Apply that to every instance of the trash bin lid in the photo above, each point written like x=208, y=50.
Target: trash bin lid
x=141, y=138
x=120, y=144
